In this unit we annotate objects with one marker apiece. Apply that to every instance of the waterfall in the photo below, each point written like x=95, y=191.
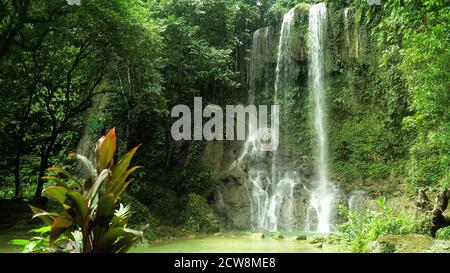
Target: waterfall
x=322, y=200
x=283, y=183
x=347, y=34
x=271, y=188
x=355, y=200
x=272, y=178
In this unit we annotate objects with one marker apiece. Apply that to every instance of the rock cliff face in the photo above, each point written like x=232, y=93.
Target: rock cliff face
x=348, y=48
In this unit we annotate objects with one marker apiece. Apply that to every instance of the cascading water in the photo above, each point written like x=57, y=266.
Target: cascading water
x=281, y=202
x=271, y=187
x=271, y=180
x=322, y=200
x=355, y=200
x=347, y=34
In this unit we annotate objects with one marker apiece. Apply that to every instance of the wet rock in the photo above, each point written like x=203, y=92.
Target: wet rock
x=381, y=247
x=232, y=202
x=301, y=237
x=440, y=246
x=317, y=240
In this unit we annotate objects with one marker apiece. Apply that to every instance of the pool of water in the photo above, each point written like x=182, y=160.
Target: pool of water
x=5, y=237
x=228, y=243
x=218, y=243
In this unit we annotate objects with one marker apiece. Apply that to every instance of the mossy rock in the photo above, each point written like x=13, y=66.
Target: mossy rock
x=403, y=243
x=199, y=217
x=301, y=237
x=317, y=240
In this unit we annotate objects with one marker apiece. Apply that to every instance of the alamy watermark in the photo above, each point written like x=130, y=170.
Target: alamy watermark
x=374, y=2
x=235, y=117
x=74, y=2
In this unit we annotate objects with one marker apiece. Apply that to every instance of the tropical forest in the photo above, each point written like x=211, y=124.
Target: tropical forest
x=239, y=126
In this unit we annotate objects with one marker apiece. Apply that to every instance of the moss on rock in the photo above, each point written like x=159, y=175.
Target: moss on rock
x=199, y=217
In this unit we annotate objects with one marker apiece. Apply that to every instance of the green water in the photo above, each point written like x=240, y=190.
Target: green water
x=227, y=243
x=219, y=243
x=5, y=237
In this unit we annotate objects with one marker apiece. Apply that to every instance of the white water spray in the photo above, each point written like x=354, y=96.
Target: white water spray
x=322, y=200
x=271, y=189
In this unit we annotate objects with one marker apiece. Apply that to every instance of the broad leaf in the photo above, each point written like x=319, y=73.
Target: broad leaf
x=42, y=230
x=58, y=193
x=105, y=211
x=59, y=226
x=77, y=202
x=61, y=171
x=119, y=170
x=46, y=217
x=19, y=242
x=104, y=152
x=108, y=239
x=93, y=192
x=119, y=185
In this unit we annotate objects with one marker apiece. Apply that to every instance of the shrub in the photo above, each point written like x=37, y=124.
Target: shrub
x=366, y=226
x=91, y=218
x=199, y=217
x=443, y=233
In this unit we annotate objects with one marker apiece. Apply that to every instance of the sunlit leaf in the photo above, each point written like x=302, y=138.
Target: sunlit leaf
x=19, y=242
x=61, y=171
x=42, y=230
x=58, y=193
x=104, y=152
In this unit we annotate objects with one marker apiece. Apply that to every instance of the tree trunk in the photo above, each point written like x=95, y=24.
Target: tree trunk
x=42, y=168
x=9, y=35
x=17, y=183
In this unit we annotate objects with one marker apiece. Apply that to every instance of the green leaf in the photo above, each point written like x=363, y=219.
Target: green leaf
x=118, y=171
x=58, y=181
x=105, y=149
x=46, y=217
x=77, y=202
x=19, y=242
x=42, y=230
x=58, y=193
x=105, y=210
x=120, y=185
x=59, y=226
x=61, y=171
x=108, y=239
x=125, y=243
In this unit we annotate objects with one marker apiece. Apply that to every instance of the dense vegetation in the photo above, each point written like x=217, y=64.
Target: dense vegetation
x=70, y=72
